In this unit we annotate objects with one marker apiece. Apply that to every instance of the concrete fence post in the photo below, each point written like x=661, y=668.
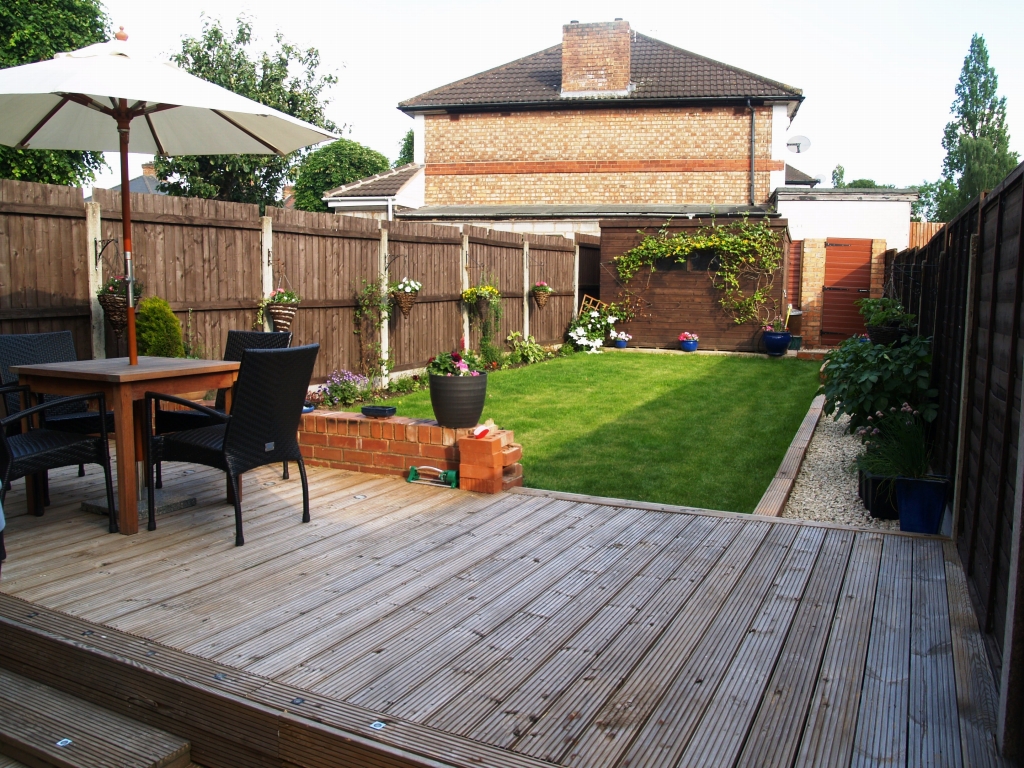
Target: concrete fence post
x=267, y=260
x=575, y=278
x=464, y=273
x=526, y=288
x=93, y=238
x=382, y=276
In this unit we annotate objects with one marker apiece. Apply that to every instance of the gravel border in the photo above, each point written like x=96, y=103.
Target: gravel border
x=825, y=489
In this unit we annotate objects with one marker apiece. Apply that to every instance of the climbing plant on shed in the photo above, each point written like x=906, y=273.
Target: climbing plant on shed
x=747, y=258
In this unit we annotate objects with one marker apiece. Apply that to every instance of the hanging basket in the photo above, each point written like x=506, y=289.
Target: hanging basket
x=115, y=307
x=282, y=315
x=541, y=297
x=405, y=300
x=482, y=307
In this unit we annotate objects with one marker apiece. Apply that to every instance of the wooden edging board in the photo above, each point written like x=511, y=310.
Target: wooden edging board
x=777, y=494
x=233, y=719
x=583, y=498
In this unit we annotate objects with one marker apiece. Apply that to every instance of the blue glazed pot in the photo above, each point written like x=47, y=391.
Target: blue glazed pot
x=620, y=344
x=688, y=346
x=921, y=503
x=777, y=342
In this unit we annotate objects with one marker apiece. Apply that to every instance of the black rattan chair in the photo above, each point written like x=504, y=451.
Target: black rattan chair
x=36, y=348
x=36, y=450
x=262, y=428
x=238, y=342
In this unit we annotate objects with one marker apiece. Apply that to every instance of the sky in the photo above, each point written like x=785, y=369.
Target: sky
x=878, y=77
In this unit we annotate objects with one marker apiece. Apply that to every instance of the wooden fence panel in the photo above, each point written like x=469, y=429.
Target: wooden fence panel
x=325, y=259
x=44, y=258
x=429, y=253
x=552, y=260
x=498, y=256
x=973, y=309
x=197, y=254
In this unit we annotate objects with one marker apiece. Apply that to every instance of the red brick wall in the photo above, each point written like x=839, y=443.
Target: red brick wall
x=353, y=442
x=595, y=57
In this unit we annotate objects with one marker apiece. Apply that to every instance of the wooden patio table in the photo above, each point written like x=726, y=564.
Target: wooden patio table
x=125, y=387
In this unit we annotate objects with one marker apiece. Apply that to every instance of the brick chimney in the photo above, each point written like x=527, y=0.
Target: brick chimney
x=596, y=59
x=149, y=169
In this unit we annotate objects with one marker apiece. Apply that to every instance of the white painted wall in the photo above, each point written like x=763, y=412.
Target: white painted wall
x=863, y=219
x=413, y=192
x=419, y=140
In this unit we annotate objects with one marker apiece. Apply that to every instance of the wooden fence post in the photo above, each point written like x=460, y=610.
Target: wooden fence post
x=965, y=361
x=526, y=288
x=464, y=272
x=267, y=260
x=94, y=270
x=382, y=276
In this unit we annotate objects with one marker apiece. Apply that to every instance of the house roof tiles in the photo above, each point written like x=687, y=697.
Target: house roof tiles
x=659, y=72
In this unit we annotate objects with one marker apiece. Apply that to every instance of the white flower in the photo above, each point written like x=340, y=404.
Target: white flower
x=612, y=320
x=595, y=314
x=408, y=289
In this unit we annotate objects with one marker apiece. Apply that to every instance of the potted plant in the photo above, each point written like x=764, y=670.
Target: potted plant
x=281, y=305
x=886, y=320
x=457, y=389
x=113, y=297
x=404, y=293
x=688, y=341
x=776, y=337
x=620, y=338
x=541, y=293
x=895, y=449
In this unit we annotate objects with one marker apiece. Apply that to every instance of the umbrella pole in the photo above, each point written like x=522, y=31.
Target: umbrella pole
x=123, y=125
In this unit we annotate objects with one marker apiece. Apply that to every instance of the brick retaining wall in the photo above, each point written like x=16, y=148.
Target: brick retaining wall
x=351, y=441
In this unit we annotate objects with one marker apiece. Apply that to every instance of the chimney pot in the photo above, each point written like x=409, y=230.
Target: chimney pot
x=619, y=18
x=575, y=21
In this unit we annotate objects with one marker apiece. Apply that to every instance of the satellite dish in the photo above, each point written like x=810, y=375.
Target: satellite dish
x=798, y=144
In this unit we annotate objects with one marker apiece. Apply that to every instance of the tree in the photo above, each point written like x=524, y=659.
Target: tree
x=33, y=31
x=977, y=140
x=286, y=79
x=838, y=181
x=838, y=174
x=338, y=163
x=405, y=151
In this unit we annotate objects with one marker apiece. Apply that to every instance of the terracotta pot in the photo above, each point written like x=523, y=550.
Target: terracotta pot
x=115, y=308
x=282, y=315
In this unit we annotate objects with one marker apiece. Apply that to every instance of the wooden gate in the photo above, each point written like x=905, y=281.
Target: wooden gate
x=847, y=279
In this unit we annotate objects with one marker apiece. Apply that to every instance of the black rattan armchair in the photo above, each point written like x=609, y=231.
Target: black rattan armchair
x=36, y=348
x=238, y=342
x=36, y=450
x=262, y=428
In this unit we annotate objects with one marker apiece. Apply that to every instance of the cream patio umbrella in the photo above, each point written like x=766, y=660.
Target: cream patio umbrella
x=89, y=99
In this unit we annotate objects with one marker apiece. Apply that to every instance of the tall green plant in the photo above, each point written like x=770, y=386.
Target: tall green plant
x=286, y=79
x=861, y=379
x=158, y=330
x=32, y=31
x=373, y=307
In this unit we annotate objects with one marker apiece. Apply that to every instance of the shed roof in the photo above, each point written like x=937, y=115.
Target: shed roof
x=386, y=184
x=660, y=72
x=594, y=211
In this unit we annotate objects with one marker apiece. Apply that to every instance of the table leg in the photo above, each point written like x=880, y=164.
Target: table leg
x=124, y=439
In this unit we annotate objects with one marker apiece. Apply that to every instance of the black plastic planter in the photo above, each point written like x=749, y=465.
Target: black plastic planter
x=458, y=401
x=879, y=495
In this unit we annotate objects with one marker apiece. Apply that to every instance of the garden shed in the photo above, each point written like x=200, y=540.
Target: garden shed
x=680, y=297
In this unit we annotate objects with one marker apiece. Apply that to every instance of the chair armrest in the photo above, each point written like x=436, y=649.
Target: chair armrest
x=98, y=396
x=156, y=397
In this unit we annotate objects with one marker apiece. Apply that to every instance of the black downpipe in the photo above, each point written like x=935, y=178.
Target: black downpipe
x=753, y=147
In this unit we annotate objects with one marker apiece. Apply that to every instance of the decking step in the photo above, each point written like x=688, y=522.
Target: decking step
x=35, y=720
x=9, y=762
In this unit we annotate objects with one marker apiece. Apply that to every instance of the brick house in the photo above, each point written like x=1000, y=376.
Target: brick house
x=608, y=122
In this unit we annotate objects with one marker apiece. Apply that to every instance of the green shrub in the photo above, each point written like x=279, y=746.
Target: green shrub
x=157, y=329
x=525, y=350
x=404, y=385
x=861, y=378
x=343, y=388
x=885, y=312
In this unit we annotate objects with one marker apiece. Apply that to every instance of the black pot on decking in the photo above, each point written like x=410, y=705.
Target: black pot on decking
x=458, y=401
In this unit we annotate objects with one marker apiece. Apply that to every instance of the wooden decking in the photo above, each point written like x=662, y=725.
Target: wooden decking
x=509, y=631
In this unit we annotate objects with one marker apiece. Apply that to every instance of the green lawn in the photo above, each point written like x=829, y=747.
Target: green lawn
x=699, y=430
